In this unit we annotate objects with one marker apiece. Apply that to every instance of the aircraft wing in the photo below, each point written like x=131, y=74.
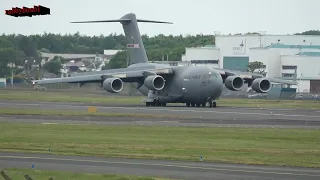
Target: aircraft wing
x=125, y=74
x=251, y=76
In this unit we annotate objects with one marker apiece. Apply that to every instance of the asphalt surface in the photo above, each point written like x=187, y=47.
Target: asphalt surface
x=167, y=169
x=188, y=116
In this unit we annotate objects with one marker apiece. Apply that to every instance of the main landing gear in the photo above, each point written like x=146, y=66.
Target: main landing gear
x=155, y=103
x=211, y=104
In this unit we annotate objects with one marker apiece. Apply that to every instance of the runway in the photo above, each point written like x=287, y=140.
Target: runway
x=158, y=168
x=188, y=116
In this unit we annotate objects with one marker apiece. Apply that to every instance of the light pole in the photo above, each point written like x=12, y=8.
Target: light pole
x=301, y=75
x=260, y=36
x=11, y=66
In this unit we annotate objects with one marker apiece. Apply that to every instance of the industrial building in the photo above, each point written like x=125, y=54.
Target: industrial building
x=282, y=56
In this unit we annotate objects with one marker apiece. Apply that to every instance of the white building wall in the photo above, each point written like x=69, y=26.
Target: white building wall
x=307, y=66
x=271, y=57
x=183, y=57
x=110, y=51
x=303, y=86
x=230, y=45
x=202, y=53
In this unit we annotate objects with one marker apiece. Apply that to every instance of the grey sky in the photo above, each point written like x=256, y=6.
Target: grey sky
x=188, y=16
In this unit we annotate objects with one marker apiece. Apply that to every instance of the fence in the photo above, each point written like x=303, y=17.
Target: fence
x=26, y=176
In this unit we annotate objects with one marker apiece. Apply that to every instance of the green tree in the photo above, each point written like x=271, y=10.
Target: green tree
x=54, y=65
x=309, y=32
x=119, y=60
x=156, y=46
x=7, y=56
x=255, y=65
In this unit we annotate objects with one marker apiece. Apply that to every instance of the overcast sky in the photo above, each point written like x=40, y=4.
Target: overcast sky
x=188, y=16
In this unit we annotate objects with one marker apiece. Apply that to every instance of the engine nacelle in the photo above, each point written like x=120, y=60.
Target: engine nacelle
x=154, y=82
x=113, y=85
x=234, y=83
x=261, y=85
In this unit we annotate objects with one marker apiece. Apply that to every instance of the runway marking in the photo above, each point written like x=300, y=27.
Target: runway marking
x=49, y=123
x=164, y=165
x=220, y=112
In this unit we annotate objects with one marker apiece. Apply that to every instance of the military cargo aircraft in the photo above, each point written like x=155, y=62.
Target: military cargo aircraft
x=162, y=84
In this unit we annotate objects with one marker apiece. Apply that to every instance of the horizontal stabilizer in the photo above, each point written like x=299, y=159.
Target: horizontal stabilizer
x=114, y=20
x=150, y=21
x=123, y=20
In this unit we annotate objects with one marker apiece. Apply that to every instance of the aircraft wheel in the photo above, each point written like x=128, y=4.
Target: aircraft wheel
x=188, y=104
x=192, y=104
x=214, y=104
x=153, y=104
x=163, y=104
x=210, y=104
x=204, y=104
x=198, y=105
x=148, y=103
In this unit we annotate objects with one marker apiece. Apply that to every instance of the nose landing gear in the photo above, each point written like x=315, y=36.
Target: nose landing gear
x=155, y=103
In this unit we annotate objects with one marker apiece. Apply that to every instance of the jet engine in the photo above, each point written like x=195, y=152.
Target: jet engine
x=154, y=82
x=261, y=85
x=113, y=85
x=234, y=83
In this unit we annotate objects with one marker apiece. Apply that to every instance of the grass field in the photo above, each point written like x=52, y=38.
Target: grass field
x=53, y=112
x=58, y=175
x=290, y=147
x=76, y=97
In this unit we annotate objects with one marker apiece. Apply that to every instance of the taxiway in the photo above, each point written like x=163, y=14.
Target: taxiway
x=158, y=168
x=188, y=116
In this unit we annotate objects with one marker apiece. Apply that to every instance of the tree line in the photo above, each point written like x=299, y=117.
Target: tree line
x=16, y=48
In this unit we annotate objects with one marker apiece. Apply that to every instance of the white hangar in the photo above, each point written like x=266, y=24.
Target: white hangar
x=283, y=56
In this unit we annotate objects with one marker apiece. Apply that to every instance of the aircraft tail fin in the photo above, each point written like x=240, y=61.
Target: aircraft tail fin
x=135, y=46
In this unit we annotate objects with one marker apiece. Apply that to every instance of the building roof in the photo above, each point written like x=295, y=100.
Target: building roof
x=111, y=51
x=300, y=78
x=211, y=46
x=264, y=35
x=308, y=54
x=67, y=56
x=278, y=45
x=78, y=64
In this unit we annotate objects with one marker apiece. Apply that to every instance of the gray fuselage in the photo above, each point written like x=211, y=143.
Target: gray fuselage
x=194, y=84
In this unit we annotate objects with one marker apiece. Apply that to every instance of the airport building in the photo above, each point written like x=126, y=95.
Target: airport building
x=282, y=56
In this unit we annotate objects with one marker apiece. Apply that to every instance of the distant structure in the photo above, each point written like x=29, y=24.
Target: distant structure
x=73, y=63
x=283, y=56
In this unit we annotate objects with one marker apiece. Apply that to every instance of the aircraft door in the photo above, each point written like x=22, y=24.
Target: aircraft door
x=205, y=84
x=195, y=86
x=186, y=87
